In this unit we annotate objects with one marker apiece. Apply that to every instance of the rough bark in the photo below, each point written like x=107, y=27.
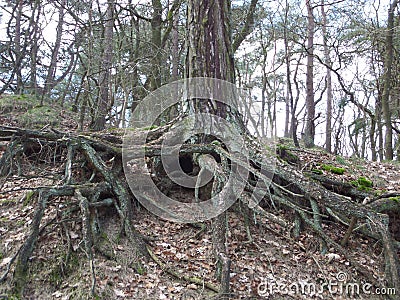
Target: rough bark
x=386, y=109
x=309, y=131
x=103, y=100
x=329, y=94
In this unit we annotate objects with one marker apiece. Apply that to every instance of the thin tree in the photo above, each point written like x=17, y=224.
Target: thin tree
x=387, y=116
x=309, y=131
x=329, y=93
x=106, y=63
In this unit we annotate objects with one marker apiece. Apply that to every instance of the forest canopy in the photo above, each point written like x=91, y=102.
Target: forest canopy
x=99, y=59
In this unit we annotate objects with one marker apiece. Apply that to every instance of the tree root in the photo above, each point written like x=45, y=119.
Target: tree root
x=283, y=184
x=192, y=279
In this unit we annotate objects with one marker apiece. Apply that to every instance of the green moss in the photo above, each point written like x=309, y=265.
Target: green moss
x=285, y=154
x=333, y=169
x=17, y=103
x=28, y=198
x=73, y=261
x=354, y=183
x=139, y=268
x=362, y=184
x=20, y=222
x=150, y=127
x=55, y=277
x=6, y=202
x=396, y=199
x=341, y=160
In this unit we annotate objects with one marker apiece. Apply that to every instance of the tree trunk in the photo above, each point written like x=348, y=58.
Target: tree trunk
x=329, y=95
x=209, y=54
x=34, y=46
x=156, y=23
x=175, y=49
x=310, y=105
x=387, y=82
x=103, y=98
x=51, y=73
x=17, y=48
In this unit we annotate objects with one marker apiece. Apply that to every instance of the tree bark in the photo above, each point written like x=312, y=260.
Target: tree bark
x=106, y=63
x=51, y=73
x=329, y=94
x=209, y=54
x=310, y=105
x=386, y=110
x=17, y=47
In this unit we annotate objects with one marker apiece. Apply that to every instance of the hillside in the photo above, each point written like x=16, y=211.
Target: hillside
x=268, y=260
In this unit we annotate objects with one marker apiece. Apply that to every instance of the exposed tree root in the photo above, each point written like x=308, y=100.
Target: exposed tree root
x=312, y=198
x=192, y=279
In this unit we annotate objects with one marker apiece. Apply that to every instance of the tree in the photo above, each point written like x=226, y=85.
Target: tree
x=329, y=95
x=386, y=110
x=310, y=105
x=209, y=54
x=133, y=37
x=51, y=72
x=103, y=101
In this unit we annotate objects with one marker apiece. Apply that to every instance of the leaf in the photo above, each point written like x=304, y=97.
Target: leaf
x=5, y=261
x=73, y=235
x=119, y=293
x=57, y=294
x=332, y=256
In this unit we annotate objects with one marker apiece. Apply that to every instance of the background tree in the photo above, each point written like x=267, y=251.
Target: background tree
x=386, y=109
x=103, y=102
x=309, y=132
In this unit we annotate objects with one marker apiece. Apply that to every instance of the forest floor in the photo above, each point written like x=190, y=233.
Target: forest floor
x=272, y=265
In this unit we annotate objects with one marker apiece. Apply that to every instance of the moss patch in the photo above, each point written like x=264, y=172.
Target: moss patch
x=285, y=154
x=28, y=198
x=395, y=199
x=333, y=169
x=362, y=184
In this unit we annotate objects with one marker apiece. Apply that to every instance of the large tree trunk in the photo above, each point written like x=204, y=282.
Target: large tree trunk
x=209, y=54
x=156, y=23
x=209, y=41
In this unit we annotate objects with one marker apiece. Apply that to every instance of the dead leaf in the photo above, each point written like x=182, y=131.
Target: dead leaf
x=119, y=293
x=5, y=261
